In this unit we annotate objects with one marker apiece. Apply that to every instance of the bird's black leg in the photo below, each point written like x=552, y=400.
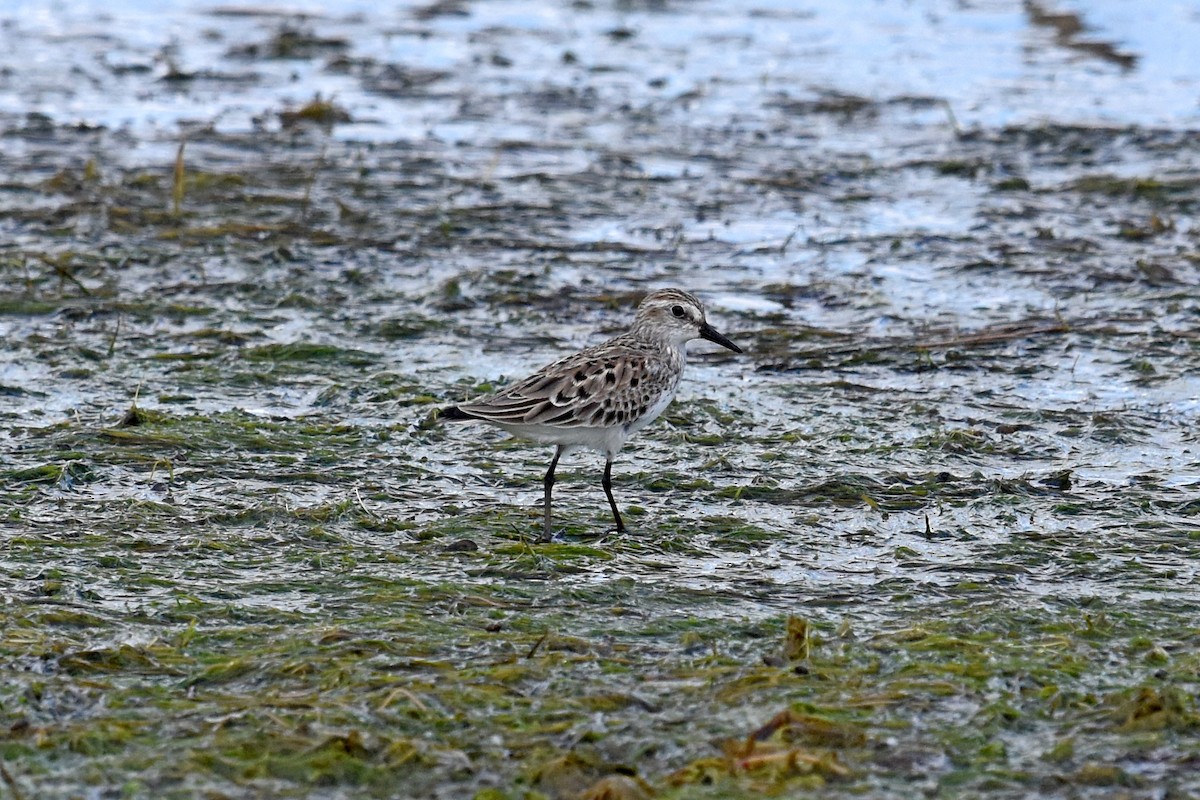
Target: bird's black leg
x=549, y=484
x=607, y=482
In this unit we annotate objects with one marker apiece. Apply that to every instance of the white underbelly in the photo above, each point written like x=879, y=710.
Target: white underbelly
x=605, y=439
x=652, y=413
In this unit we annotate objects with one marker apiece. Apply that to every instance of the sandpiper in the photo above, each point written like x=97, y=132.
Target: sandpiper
x=599, y=397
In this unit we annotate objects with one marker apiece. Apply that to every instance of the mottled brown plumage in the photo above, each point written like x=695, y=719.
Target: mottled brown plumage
x=599, y=397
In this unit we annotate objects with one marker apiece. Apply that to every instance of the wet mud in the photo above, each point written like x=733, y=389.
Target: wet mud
x=935, y=531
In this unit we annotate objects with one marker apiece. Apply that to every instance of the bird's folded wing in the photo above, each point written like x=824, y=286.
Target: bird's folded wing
x=587, y=389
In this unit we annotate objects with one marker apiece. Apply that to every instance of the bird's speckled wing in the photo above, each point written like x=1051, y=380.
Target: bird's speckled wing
x=604, y=386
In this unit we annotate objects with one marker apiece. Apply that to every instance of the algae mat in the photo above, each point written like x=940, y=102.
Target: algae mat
x=935, y=533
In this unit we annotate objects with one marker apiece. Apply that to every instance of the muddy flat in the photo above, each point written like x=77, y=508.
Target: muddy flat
x=936, y=532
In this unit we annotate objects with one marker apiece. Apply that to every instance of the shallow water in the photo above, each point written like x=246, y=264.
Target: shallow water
x=957, y=242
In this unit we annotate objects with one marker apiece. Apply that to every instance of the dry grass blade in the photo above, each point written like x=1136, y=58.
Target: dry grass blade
x=177, y=183
x=62, y=268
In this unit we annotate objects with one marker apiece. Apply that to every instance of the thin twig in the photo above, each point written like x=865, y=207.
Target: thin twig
x=11, y=782
x=783, y=247
x=983, y=338
x=60, y=266
x=537, y=644
x=112, y=342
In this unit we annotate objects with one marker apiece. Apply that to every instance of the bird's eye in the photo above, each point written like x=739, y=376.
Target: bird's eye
x=678, y=311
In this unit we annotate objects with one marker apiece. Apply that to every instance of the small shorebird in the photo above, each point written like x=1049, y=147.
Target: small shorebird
x=601, y=396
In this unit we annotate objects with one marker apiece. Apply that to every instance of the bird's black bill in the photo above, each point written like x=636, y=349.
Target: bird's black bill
x=709, y=332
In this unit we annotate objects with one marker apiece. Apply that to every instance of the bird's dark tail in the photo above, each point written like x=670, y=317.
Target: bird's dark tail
x=452, y=413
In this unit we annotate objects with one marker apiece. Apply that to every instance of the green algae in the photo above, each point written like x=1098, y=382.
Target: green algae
x=308, y=351
x=316, y=699
x=242, y=557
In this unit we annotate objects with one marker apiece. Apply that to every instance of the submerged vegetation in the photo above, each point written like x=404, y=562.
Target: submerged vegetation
x=936, y=532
